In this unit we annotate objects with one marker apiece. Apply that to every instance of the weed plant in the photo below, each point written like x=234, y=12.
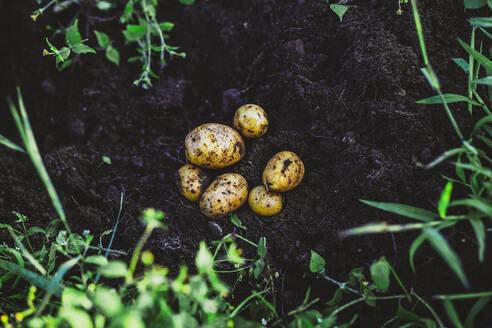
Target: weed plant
x=472, y=162
x=140, y=26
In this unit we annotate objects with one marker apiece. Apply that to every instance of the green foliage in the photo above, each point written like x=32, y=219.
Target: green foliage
x=74, y=44
x=140, y=26
x=473, y=165
x=339, y=8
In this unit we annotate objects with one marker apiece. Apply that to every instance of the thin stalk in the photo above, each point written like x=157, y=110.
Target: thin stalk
x=245, y=301
x=461, y=296
x=138, y=250
x=471, y=71
x=431, y=310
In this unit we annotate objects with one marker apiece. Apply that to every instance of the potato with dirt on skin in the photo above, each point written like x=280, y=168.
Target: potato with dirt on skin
x=283, y=172
x=225, y=194
x=251, y=121
x=214, y=146
x=263, y=202
x=191, y=182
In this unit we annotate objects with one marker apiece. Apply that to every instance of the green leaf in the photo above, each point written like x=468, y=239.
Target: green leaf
x=72, y=34
x=442, y=247
x=102, y=39
x=380, y=274
x=476, y=308
x=72, y=297
x=81, y=48
x=414, y=247
x=204, y=261
x=337, y=297
x=481, y=21
x=485, y=81
x=483, y=121
x=187, y=2
x=96, y=259
x=235, y=220
x=166, y=26
x=107, y=160
x=404, y=210
x=114, y=269
x=258, y=267
x=113, y=55
x=479, y=230
x=103, y=5
x=262, y=250
x=444, y=200
x=339, y=10
x=477, y=55
x=65, y=65
x=317, y=263
x=475, y=4
x=448, y=97
x=35, y=230
x=107, y=300
x=475, y=203
x=462, y=63
x=33, y=278
x=452, y=314
x=7, y=143
x=134, y=32
x=76, y=318
x=406, y=315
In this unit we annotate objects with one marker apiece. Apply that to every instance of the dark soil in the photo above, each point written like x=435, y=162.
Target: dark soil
x=340, y=95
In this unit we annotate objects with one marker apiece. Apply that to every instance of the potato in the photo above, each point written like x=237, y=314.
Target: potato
x=191, y=182
x=251, y=121
x=214, y=146
x=264, y=202
x=225, y=194
x=283, y=172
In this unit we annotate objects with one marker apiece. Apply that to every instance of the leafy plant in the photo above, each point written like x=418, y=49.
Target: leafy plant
x=473, y=165
x=141, y=27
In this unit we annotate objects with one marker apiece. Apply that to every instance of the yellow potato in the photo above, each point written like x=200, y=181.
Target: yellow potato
x=214, y=146
x=283, y=172
x=251, y=121
x=225, y=194
x=264, y=202
x=191, y=182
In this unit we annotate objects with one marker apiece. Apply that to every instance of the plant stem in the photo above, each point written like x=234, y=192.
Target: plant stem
x=138, y=250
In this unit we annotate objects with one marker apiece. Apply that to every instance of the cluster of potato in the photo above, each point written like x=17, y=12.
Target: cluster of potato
x=215, y=146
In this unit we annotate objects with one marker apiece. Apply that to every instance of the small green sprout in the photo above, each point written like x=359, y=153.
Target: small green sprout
x=74, y=43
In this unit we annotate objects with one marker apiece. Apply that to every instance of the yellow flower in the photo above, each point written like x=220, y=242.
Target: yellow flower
x=45, y=52
x=34, y=17
x=231, y=308
x=4, y=318
x=399, y=12
x=230, y=323
x=19, y=316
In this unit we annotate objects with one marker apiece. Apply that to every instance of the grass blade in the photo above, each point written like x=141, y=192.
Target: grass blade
x=452, y=314
x=448, y=98
x=404, y=210
x=34, y=278
x=444, y=200
x=475, y=310
x=441, y=245
x=479, y=230
x=55, y=283
x=476, y=203
x=477, y=55
x=6, y=142
x=414, y=247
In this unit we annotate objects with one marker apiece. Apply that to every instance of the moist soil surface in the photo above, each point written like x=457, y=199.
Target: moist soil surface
x=339, y=94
